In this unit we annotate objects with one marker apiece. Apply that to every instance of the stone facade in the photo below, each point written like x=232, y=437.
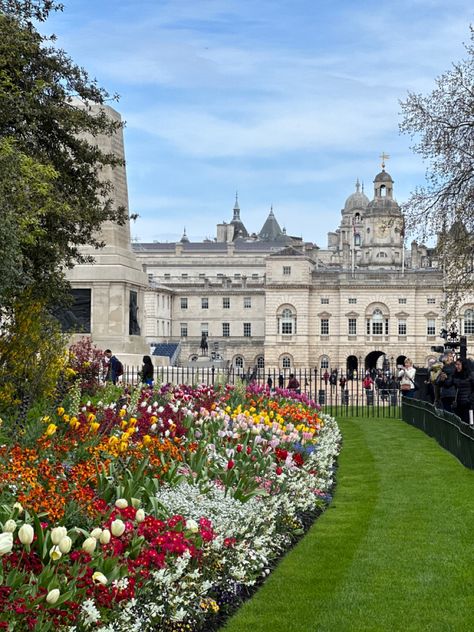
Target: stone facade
x=269, y=299
x=277, y=301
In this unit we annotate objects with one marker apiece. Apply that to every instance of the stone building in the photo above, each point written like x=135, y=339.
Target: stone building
x=273, y=300
x=268, y=299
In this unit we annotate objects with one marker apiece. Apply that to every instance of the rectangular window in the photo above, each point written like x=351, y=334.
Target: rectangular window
x=352, y=326
x=226, y=330
x=324, y=326
x=286, y=270
x=184, y=275
x=247, y=330
x=431, y=327
x=226, y=302
x=184, y=303
x=167, y=276
x=402, y=327
x=184, y=330
x=247, y=302
x=236, y=275
x=402, y=301
x=219, y=275
x=254, y=275
x=324, y=300
x=202, y=275
x=205, y=329
x=286, y=327
x=431, y=301
x=204, y=303
x=386, y=326
x=352, y=301
x=468, y=326
x=377, y=328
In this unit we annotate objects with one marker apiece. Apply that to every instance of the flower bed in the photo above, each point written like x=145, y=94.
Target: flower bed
x=156, y=509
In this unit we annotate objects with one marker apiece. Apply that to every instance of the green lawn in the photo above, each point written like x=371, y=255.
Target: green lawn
x=394, y=551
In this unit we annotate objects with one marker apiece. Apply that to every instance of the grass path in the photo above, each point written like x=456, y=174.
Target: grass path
x=394, y=551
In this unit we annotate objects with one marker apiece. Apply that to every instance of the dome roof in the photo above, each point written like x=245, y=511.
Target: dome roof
x=383, y=176
x=357, y=200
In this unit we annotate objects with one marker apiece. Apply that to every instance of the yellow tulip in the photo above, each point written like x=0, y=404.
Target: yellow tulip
x=50, y=430
x=60, y=411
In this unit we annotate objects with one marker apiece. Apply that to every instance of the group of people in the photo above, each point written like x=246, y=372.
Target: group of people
x=113, y=369
x=452, y=386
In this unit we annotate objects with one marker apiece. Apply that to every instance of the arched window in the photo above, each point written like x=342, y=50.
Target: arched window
x=260, y=362
x=286, y=321
x=286, y=362
x=324, y=363
x=239, y=362
x=356, y=239
x=469, y=322
x=377, y=324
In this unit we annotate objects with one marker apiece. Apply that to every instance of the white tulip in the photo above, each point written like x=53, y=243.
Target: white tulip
x=105, y=536
x=117, y=527
x=136, y=502
x=19, y=507
x=95, y=533
x=89, y=545
x=121, y=503
x=53, y=596
x=192, y=525
x=9, y=526
x=140, y=515
x=99, y=578
x=55, y=553
x=57, y=534
x=26, y=534
x=65, y=544
x=6, y=543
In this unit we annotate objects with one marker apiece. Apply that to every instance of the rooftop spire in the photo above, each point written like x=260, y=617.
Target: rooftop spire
x=184, y=238
x=358, y=186
x=236, y=208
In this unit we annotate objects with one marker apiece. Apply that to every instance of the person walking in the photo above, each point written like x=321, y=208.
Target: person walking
x=406, y=375
x=147, y=372
x=114, y=368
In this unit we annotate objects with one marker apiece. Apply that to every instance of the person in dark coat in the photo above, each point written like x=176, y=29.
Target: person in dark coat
x=147, y=372
x=281, y=381
x=293, y=383
x=447, y=390
x=113, y=367
x=463, y=381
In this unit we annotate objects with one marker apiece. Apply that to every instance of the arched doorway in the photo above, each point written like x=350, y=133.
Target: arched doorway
x=352, y=364
x=374, y=360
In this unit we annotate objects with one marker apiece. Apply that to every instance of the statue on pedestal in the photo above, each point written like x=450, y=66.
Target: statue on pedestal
x=203, y=344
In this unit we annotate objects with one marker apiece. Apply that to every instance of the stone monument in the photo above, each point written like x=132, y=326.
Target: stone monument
x=115, y=283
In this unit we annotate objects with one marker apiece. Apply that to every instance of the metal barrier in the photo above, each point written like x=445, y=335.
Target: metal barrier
x=347, y=399
x=449, y=431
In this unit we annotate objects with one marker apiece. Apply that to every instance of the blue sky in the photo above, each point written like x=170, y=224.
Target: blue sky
x=286, y=102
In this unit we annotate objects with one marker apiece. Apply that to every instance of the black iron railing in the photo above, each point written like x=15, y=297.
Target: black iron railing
x=449, y=431
x=339, y=398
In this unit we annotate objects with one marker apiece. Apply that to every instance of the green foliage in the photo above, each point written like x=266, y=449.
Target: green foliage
x=52, y=196
x=31, y=357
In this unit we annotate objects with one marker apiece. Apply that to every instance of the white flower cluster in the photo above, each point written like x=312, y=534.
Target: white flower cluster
x=249, y=537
